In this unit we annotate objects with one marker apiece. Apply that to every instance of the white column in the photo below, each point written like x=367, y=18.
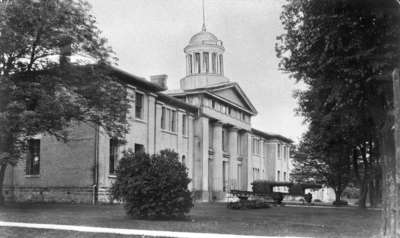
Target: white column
x=233, y=133
x=217, y=147
x=249, y=162
x=190, y=155
x=204, y=153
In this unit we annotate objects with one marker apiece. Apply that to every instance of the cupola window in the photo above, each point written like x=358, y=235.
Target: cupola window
x=214, y=62
x=197, y=62
x=221, y=64
x=190, y=64
x=206, y=62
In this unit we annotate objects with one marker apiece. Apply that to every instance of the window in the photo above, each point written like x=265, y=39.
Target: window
x=163, y=118
x=214, y=62
x=113, y=158
x=190, y=64
x=173, y=121
x=213, y=104
x=256, y=174
x=33, y=157
x=139, y=106
x=224, y=141
x=256, y=146
x=184, y=160
x=239, y=144
x=139, y=148
x=279, y=151
x=284, y=152
x=239, y=176
x=221, y=64
x=168, y=119
x=284, y=176
x=206, y=62
x=197, y=62
x=184, y=125
x=278, y=176
x=225, y=178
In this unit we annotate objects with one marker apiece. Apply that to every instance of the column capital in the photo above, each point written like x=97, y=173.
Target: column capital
x=217, y=123
x=233, y=129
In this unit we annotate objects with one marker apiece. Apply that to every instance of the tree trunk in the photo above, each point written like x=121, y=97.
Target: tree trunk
x=338, y=194
x=390, y=151
x=389, y=196
x=363, y=193
x=2, y=173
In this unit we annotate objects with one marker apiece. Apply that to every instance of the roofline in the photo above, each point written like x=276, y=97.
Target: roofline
x=205, y=91
x=174, y=101
x=136, y=80
x=237, y=86
x=271, y=136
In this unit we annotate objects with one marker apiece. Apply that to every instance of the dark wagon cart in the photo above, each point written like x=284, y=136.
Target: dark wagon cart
x=265, y=190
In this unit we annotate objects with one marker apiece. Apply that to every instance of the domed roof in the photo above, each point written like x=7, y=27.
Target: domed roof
x=203, y=36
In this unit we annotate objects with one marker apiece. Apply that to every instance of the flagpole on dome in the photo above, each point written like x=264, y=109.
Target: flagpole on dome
x=204, y=20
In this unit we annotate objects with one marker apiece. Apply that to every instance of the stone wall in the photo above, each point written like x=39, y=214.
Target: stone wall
x=49, y=194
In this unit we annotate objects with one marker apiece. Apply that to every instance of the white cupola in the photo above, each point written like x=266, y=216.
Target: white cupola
x=204, y=61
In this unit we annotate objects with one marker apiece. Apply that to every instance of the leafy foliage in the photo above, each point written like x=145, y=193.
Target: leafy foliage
x=54, y=71
x=344, y=51
x=153, y=186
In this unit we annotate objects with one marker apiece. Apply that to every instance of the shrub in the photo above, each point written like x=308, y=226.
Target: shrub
x=153, y=186
x=308, y=197
x=340, y=203
x=317, y=200
x=296, y=190
x=277, y=197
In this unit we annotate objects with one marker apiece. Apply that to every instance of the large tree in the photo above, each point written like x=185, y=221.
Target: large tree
x=43, y=90
x=354, y=46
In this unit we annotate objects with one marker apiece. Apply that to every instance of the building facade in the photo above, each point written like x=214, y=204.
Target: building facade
x=207, y=121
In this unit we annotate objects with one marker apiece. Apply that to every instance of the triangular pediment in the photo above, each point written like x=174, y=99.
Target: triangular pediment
x=234, y=94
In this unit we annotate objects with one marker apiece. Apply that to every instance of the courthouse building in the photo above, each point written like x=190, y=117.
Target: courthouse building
x=207, y=121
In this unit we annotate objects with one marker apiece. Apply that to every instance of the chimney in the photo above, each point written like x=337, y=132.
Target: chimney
x=160, y=80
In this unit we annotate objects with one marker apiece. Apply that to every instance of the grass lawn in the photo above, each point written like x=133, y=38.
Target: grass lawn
x=204, y=217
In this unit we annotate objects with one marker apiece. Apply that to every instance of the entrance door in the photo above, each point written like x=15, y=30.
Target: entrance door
x=225, y=172
x=239, y=176
x=210, y=177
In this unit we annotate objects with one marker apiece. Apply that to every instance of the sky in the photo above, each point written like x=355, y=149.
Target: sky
x=149, y=36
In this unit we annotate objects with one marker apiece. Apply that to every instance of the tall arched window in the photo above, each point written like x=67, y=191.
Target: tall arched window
x=190, y=64
x=221, y=64
x=214, y=62
x=184, y=160
x=206, y=62
x=197, y=63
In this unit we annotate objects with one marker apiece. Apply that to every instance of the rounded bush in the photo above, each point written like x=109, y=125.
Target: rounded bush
x=153, y=186
x=277, y=197
x=308, y=197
